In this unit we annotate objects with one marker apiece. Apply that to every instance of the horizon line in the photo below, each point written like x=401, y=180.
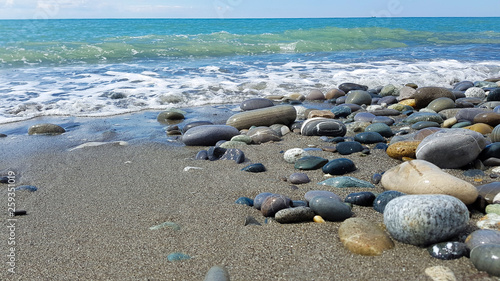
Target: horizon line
x=242, y=18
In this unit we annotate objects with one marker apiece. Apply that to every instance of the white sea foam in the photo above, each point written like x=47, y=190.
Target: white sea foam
x=103, y=90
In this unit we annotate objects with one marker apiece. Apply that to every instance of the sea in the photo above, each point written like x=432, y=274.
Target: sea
x=107, y=67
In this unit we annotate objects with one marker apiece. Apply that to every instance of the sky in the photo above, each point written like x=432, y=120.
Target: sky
x=58, y=9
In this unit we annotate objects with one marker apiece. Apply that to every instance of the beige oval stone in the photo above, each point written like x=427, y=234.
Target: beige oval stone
x=410, y=102
x=449, y=122
x=334, y=93
x=402, y=149
x=280, y=114
x=363, y=237
x=422, y=177
x=320, y=113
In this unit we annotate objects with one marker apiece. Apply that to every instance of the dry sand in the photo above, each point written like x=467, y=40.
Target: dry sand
x=90, y=218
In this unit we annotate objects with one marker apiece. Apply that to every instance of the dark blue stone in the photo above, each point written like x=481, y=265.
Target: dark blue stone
x=349, y=147
x=255, y=168
x=381, y=128
x=256, y=103
x=339, y=166
x=234, y=154
x=244, y=201
x=330, y=209
x=364, y=198
x=448, y=250
x=259, y=199
x=375, y=179
x=474, y=173
x=341, y=111
x=369, y=137
x=382, y=146
x=384, y=198
x=4, y=179
x=490, y=151
x=346, y=87
x=201, y=155
x=494, y=95
x=341, y=100
x=384, y=120
x=310, y=163
x=387, y=100
x=29, y=188
x=463, y=86
x=215, y=153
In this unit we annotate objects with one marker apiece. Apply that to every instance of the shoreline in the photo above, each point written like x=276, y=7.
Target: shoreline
x=91, y=214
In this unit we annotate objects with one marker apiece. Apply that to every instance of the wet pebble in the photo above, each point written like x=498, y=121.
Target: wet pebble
x=310, y=163
x=375, y=179
x=344, y=182
x=280, y=114
x=369, y=137
x=263, y=134
x=448, y=250
x=424, y=124
x=256, y=103
x=486, y=258
x=364, y=198
x=349, y=147
x=254, y=168
x=383, y=198
x=489, y=191
x=244, y=201
x=46, y=129
x=319, y=126
x=339, y=166
x=208, y=135
x=381, y=128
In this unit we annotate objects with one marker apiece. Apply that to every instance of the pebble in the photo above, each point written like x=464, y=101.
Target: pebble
x=195, y=124
x=344, y=181
x=244, y=201
x=299, y=178
x=384, y=120
x=381, y=128
x=486, y=258
x=422, y=177
x=279, y=114
x=364, y=198
x=490, y=118
x=489, y=191
x=451, y=148
x=231, y=144
x=259, y=199
x=440, y=104
x=375, y=179
x=316, y=193
x=256, y=103
x=383, y=198
x=320, y=113
x=423, y=116
x=424, y=124
x=494, y=95
x=330, y=209
x=169, y=224
x=341, y=111
x=349, y=147
x=402, y=149
x=294, y=215
x=463, y=86
x=242, y=138
x=263, y=134
x=170, y=115
x=493, y=209
x=217, y=273
x=388, y=90
x=369, y=137
x=29, y=188
x=310, y=163
x=425, y=95
x=215, y=153
x=208, y=135
x=319, y=126
x=339, y=166
x=346, y=87
x=448, y=250
x=440, y=273
x=364, y=117
x=255, y=168
x=482, y=237
x=480, y=128
x=46, y=129
x=495, y=134
x=363, y=237
x=273, y=203
x=178, y=257
x=318, y=219
x=234, y=154
x=422, y=220
x=292, y=155
x=489, y=221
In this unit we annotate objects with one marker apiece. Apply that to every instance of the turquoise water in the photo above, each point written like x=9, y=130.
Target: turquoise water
x=74, y=67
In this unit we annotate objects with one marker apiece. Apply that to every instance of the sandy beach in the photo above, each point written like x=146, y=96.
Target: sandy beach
x=90, y=218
